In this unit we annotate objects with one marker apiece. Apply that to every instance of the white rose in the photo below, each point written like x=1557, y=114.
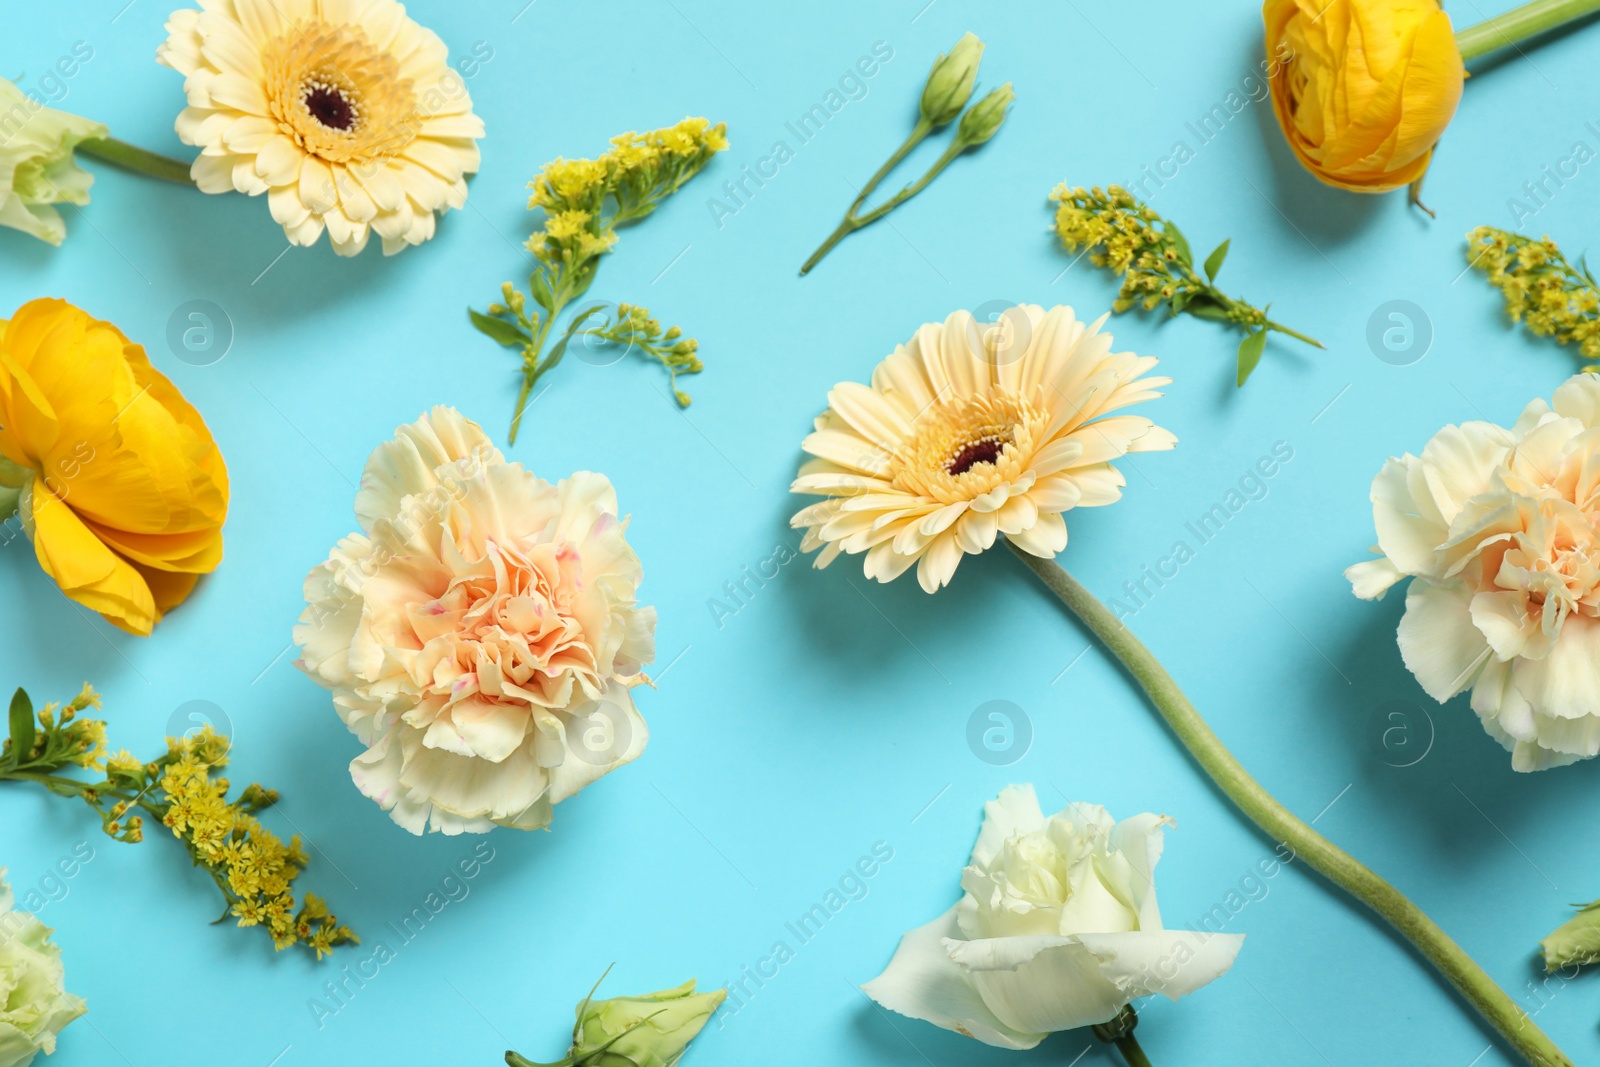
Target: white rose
x=1499, y=530
x=1058, y=929
x=480, y=635
x=34, y=1003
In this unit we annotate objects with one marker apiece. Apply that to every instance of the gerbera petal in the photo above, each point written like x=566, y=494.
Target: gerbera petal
x=971, y=430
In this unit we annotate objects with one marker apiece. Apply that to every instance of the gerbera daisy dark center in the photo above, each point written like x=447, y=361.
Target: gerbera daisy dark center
x=330, y=107
x=983, y=450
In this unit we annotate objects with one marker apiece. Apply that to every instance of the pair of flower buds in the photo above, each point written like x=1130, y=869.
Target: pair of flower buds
x=950, y=86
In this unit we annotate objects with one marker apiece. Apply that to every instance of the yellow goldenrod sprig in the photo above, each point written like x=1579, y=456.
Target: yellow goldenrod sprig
x=946, y=92
x=1157, y=266
x=1541, y=289
x=585, y=201
x=251, y=866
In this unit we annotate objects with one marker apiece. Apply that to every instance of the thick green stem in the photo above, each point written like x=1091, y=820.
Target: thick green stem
x=1498, y=1009
x=1129, y=1047
x=131, y=157
x=1520, y=23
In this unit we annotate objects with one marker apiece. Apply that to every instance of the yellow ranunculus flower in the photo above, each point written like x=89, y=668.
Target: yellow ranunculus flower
x=118, y=481
x=1363, y=88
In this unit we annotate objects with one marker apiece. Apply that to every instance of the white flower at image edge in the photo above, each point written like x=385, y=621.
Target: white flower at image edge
x=1499, y=531
x=347, y=115
x=1058, y=929
x=480, y=635
x=970, y=430
x=34, y=1003
x=37, y=167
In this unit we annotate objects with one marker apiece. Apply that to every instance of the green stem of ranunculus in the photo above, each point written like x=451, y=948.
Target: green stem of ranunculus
x=132, y=157
x=1447, y=957
x=1520, y=23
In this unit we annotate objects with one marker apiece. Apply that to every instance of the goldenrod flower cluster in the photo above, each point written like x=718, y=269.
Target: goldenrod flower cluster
x=585, y=201
x=1124, y=235
x=1156, y=268
x=640, y=171
x=251, y=866
x=1540, y=287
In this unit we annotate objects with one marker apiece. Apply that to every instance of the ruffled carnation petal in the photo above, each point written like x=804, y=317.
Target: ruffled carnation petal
x=1500, y=530
x=480, y=634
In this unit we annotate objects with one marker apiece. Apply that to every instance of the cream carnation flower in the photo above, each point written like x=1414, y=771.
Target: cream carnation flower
x=480, y=634
x=346, y=115
x=1500, y=530
x=972, y=430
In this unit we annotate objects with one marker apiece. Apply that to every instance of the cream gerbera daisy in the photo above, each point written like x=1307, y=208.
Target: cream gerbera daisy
x=972, y=430
x=348, y=116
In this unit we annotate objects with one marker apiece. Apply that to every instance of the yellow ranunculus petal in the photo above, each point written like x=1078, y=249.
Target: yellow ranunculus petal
x=1363, y=89
x=129, y=491
x=80, y=563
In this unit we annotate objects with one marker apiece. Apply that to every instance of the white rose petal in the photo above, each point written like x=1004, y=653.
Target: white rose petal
x=1058, y=929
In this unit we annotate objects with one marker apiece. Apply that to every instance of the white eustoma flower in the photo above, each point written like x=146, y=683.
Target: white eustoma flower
x=347, y=116
x=37, y=167
x=1058, y=929
x=1499, y=530
x=34, y=1003
x=480, y=634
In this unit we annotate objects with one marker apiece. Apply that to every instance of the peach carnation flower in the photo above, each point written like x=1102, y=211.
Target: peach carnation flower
x=971, y=430
x=480, y=633
x=1499, y=530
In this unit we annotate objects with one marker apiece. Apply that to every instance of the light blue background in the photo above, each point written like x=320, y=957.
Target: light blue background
x=826, y=715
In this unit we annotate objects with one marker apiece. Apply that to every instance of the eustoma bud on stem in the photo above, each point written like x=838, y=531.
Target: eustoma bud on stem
x=651, y=1030
x=950, y=82
x=947, y=91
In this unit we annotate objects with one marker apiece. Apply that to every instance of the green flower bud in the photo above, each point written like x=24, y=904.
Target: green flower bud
x=647, y=1031
x=983, y=119
x=1574, y=942
x=37, y=162
x=950, y=82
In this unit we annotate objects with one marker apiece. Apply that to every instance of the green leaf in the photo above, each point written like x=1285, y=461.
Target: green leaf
x=22, y=732
x=1182, y=300
x=506, y=333
x=1214, y=260
x=1203, y=307
x=559, y=349
x=584, y=278
x=539, y=286
x=1250, y=350
x=1179, y=242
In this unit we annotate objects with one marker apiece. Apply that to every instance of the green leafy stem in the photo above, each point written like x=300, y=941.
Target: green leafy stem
x=630, y=326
